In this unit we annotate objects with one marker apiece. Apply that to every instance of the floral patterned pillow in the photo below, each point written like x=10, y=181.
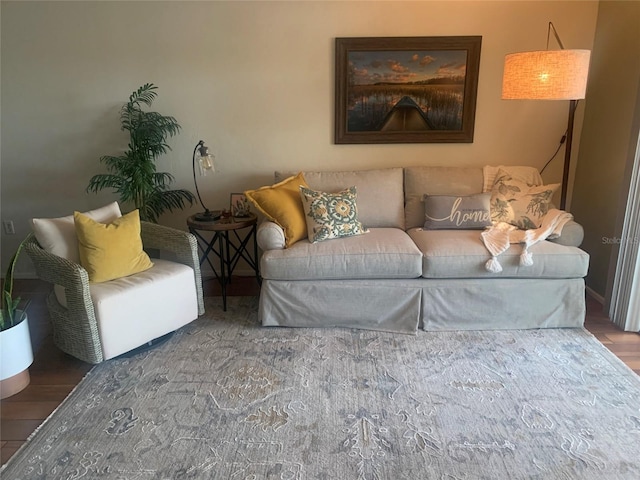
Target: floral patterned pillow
x=331, y=215
x=520, y=204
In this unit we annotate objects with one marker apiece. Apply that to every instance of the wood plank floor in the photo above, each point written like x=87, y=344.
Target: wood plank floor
x=54, y=374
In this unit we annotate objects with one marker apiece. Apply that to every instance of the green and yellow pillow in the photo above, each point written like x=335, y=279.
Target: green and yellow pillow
x=331, y=215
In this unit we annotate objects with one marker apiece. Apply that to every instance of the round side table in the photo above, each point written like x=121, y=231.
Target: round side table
x=243, y=230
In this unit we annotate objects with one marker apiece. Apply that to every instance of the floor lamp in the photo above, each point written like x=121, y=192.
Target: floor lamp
x=549, y=75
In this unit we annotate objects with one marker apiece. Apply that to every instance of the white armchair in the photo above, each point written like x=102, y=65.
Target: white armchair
x=98, y=321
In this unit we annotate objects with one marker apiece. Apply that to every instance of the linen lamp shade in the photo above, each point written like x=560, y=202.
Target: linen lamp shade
x=546, y=75
x=549, y=75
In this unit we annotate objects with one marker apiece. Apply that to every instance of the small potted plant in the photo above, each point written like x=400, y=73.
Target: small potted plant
x=16, y=354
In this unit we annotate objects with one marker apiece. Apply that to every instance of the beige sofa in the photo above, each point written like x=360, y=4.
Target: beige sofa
x=400, y=277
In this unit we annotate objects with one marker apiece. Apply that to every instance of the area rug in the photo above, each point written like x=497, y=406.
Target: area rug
x=225, y=398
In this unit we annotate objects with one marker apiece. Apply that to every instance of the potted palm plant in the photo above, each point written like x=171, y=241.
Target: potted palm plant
x=133, y=174
x=16, y=354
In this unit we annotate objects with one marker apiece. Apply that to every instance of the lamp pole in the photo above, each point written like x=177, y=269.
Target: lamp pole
x=573, y=104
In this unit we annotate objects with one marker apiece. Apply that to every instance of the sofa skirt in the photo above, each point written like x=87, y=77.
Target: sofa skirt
x=385, y=305
x=403, y=306
x=503, y=304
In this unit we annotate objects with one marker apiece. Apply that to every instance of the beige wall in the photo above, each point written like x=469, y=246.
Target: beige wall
x=252, y=79
x=608, y=136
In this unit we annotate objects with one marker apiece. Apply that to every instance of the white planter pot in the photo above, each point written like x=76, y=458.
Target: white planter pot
x=16, y=355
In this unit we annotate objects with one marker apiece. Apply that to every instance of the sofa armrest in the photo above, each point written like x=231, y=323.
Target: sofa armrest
x=572, y=235
x=270, y=236
x=183, y=244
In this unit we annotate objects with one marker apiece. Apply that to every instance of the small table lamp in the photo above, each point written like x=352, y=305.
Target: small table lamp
x=204, y=159
x=549, y=75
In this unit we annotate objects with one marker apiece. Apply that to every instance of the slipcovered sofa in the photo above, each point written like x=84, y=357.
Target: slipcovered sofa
x=400, y=276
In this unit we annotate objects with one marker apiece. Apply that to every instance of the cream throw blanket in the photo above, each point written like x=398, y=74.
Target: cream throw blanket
x=500, y=236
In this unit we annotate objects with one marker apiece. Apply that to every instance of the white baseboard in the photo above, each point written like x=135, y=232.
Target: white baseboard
x=596, y=296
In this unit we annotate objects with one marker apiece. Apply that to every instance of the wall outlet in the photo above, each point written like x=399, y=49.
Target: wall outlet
x=8, y=227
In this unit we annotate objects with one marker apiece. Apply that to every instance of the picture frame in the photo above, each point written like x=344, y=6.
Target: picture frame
x=406, y=89
x=239, y=205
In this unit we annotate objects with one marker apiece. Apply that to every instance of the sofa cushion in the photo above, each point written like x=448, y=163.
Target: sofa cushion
x=380, y=253
x=331, y=215
x=421, y=181
x=380, y=193
x=461, y=254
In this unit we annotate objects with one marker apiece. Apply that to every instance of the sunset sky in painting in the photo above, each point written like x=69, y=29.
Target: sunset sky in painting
x=371, y=67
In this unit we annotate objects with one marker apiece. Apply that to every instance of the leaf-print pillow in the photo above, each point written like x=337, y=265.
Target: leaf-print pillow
x=520, y=204
x=331, y=215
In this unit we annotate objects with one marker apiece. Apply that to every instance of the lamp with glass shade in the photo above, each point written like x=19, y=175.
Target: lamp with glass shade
x=205, y=162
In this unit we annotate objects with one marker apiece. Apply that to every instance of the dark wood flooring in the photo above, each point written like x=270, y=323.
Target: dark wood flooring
x=54, y=374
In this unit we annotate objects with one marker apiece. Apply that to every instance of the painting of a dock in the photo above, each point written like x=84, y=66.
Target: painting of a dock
x=406, y=89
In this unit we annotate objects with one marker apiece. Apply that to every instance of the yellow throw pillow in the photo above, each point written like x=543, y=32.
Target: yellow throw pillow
x=281, y=203
x=112, y=250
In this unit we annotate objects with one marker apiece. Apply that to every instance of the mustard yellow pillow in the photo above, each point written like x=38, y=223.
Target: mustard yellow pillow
x=112, y=250
x=281, y=203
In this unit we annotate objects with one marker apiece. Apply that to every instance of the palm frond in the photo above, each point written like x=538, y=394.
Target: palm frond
x=177, y=199
x=145, y=94
x=168, y=200
x=114, y=164
x=163, y=180
x=167, y=124
x=133, y=174
x=105, y=180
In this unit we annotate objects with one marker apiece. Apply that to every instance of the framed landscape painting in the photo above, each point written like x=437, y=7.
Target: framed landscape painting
x=406, y=89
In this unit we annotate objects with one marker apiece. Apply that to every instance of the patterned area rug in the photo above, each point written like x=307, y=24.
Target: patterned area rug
x=227, y=399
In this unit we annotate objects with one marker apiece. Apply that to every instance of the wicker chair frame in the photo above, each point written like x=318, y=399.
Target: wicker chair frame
x=75, y=329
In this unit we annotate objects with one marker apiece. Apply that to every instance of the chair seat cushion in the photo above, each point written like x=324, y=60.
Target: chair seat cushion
x=461, y=254
x=133, y=310
x=380, y=253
